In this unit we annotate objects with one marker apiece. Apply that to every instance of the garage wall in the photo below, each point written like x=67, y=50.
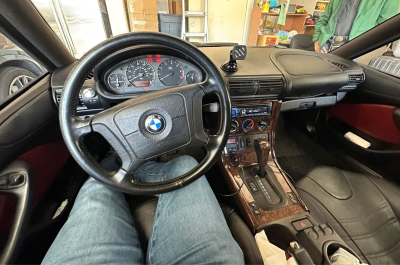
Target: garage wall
x=226, y=20
x=116, y=14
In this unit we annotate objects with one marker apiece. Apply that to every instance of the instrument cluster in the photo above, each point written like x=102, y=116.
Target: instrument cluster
x=150, y=73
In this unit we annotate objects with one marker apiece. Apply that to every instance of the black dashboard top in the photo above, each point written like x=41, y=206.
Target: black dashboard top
x=257, y=62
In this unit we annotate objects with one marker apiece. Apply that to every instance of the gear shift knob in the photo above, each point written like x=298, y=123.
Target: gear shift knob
x=259, y=152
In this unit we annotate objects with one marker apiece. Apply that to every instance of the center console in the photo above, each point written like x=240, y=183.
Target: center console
x=262, y=199
x=265, y=196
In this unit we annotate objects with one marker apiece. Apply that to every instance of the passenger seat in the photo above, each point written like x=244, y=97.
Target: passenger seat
x=364, y=210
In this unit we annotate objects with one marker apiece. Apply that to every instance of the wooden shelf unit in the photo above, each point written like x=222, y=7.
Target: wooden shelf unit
x=293, y=22
x=277, y=14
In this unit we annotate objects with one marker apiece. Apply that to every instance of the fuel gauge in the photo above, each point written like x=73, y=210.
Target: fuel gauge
x=116, y=81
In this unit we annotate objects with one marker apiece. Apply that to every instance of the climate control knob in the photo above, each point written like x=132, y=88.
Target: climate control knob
x=248, y=125
x=263, y=124
x=234, y=126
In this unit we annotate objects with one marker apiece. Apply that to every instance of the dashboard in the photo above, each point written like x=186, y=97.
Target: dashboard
x=300, y=79
x=150, y=72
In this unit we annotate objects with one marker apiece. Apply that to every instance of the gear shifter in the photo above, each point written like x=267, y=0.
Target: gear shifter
x=261, y=180
x=259, y=151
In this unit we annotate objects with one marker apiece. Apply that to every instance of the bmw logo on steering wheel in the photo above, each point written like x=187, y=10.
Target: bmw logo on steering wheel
x=155, y=124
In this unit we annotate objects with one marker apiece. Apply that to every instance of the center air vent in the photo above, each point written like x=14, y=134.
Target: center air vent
x=270, y=87
x=356, y=79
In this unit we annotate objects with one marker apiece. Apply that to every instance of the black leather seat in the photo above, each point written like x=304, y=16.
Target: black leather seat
x=144, y=218
x=364, y=210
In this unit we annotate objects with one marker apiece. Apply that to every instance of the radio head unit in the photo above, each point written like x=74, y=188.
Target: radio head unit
x=252, y=110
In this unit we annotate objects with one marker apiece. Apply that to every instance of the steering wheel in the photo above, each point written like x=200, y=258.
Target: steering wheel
x=145, y=127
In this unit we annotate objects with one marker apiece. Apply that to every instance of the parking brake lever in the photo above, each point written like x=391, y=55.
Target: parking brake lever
x=259, y=152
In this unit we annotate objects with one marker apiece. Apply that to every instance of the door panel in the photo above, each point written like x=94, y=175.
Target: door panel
x=376, y=120
x=27, y=121
x=28, y=128
x=18, y=196
x=371, y=112
x=378, y=88
x=46, y=161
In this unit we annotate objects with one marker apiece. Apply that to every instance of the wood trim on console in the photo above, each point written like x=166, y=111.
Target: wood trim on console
x=243, y=198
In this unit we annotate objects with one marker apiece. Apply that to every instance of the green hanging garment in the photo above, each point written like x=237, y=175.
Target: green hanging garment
x=282, y=16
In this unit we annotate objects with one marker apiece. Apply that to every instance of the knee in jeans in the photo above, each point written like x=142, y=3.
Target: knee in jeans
x=182, y=165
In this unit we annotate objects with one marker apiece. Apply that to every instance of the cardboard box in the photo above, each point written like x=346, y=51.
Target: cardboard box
x=170, y=7
x=162, y=7
x=267, y=40
x=177, y=5
x=142, y=15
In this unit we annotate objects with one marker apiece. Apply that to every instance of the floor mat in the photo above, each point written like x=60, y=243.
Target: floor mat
x=297, y=154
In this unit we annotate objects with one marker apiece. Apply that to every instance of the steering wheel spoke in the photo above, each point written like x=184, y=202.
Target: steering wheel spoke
x=81, y=127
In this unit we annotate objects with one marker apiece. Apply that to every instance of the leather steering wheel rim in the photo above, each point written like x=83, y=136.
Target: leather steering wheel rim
x=123, y=123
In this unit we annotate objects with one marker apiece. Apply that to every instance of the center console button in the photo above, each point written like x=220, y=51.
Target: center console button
x=253, y=186
x=248, y=141
x=302, y=224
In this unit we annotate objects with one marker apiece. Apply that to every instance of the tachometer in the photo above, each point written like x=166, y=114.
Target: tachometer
x=140, y=73
x=170, y=72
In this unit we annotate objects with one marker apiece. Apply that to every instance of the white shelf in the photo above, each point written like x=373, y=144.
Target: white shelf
x=323, y=1
x=194, y=34
x=194, y=14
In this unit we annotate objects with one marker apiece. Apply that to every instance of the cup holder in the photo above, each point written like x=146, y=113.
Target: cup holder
x=331, y=247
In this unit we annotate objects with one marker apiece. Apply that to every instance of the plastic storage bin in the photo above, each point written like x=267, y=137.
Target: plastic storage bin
x=170, y=24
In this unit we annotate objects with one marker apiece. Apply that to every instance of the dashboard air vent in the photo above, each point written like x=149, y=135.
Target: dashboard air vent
x=270, y=87
x=340, y=65
x=242, y=88
x=254, y=88
x=356, y=79
x=58, y=97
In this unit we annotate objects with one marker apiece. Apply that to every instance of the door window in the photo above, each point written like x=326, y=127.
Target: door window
x=385, y=59
x=17, y=69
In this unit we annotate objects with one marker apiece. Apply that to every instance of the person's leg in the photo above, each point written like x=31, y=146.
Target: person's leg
x=99, y=229
x=189, y=226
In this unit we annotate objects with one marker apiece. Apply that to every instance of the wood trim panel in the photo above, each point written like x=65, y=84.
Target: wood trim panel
x=248, y=158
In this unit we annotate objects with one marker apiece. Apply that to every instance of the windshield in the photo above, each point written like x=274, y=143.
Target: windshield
x=313, y=25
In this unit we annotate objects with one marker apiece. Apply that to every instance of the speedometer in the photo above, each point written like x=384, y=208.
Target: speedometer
x=140, y=73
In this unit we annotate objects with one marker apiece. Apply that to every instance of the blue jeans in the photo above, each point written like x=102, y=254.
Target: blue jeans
x=189, y=226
